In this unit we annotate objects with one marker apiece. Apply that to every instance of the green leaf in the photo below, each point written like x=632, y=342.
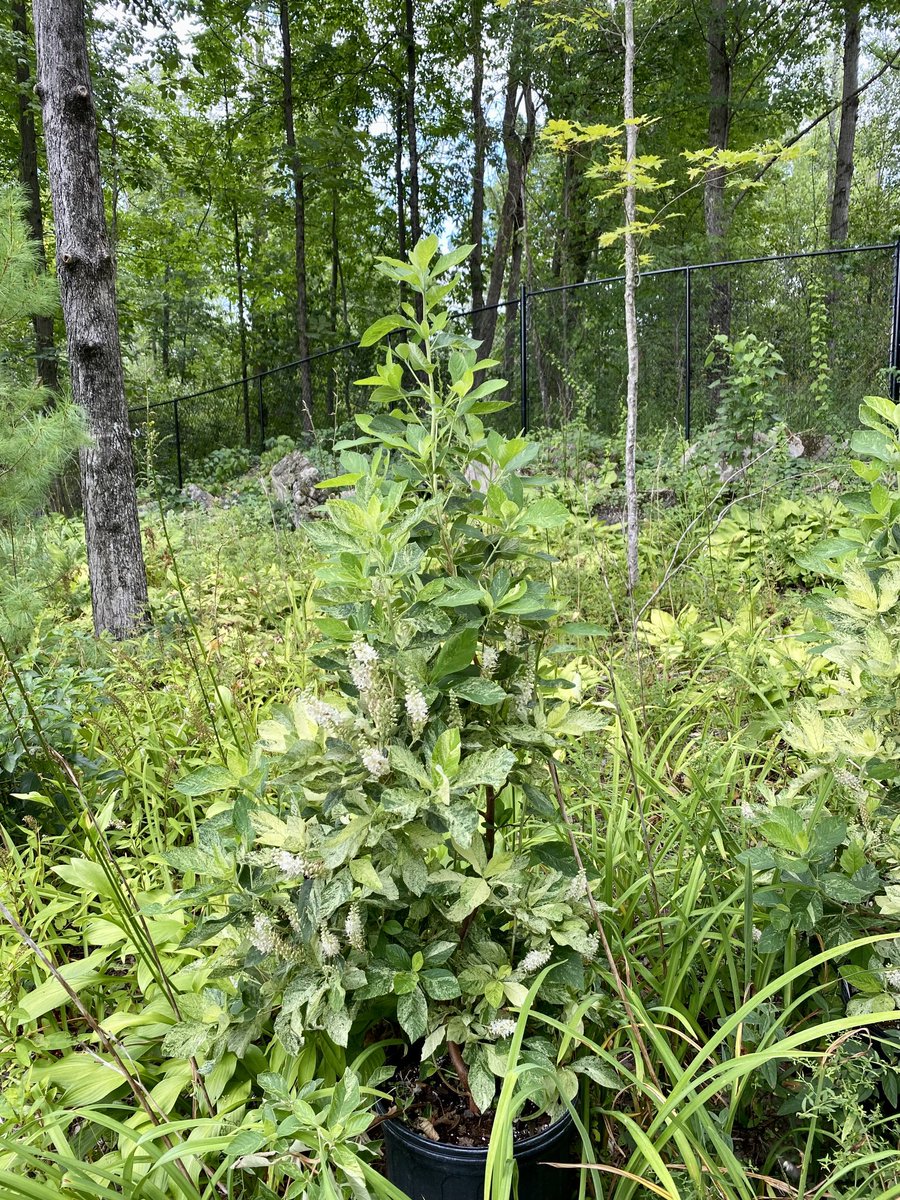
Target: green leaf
x=456, y=654
x=482, y=1085
x=423, y=251
x=786, y=830
x=51, y=994
x=473, y=893
x=452, y=259
x=382, y=327
x=84, y=1079
x=869, y=443
x=861, y=980
x=828, y=833
x=438, y=952
x=480, y=691
x=758, y=858
x=86, y=876
x=494, y=993
x=883, y=408
x=206, y=781
x=546, y=514
x=488, y=767
x=365, y=874
x=446, y=753
x=186, y=1039
x=584, y=629
x=412, y=1013
x=341, y=481
x=440, y=984
x=600, y=1071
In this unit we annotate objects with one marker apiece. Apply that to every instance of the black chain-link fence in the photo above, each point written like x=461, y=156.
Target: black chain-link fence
x=833, y=316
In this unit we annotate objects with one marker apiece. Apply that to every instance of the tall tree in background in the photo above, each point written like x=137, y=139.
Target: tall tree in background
x=839, y=225
x=631, y=279
x=412, y=136
x=299, y=184
x=714, y=208
x=479, y=160
x=518, y=147
x=42, y=323
x=86, y=272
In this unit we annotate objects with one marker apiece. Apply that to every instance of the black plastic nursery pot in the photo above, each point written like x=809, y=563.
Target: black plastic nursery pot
x=427, y=1170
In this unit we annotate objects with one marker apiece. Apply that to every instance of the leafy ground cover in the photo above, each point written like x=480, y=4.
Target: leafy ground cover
x=731, y=796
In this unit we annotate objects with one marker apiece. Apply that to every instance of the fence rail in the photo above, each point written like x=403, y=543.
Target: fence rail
x=565, y=344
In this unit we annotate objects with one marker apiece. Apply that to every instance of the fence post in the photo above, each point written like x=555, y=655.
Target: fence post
x=894, y=362
x=178, y=444
x=260, y=414
x=523, y=355
x=246, y=391
x=688, y=364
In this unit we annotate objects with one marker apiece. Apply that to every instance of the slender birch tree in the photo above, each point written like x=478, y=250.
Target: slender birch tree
x=631, y=281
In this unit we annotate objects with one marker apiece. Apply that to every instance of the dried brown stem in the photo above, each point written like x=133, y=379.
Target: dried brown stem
x=463, y=1072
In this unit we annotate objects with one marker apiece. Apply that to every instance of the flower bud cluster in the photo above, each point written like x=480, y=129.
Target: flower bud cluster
x=353, y=927
x=416, y=710
x=329, y=943
x=326, y=716
x=490, y=656
x=296, y=866
x=363, y=658
x=513, y=634
x=533, y=961
x=375, y=761
x=266, y=937
x=578, y=888
x=501, y=1027
x=526, y=686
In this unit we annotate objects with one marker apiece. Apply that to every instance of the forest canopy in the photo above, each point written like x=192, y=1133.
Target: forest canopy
x=247, y=203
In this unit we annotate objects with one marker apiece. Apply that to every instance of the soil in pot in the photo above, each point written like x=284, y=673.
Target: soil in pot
x=438, y=1149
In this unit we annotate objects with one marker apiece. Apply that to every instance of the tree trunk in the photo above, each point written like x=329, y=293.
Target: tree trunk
x=415, y=225
x=242, y=319
x=631, y=277
x=301, y=316
x=88, y=291
x=511, y=323
x=518, y=149
x=714, y=208
x=398, y=176
x=44, y=344
x=479, y=148
x=333, y=296
x=839, y=226
x=166, y=333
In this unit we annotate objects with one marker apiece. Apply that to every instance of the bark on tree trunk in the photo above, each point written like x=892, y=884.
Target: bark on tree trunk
x=166, y=334
x=839, y=226
x=333, y=296
x=242, y=319
x=479, y=130
x=44, y=344
x=398, y=176
x=511, y=312
x=518, y=149
x=631, y=277
x=714, y=208
x=301, y=312
x=88, y=290
x=415, y=226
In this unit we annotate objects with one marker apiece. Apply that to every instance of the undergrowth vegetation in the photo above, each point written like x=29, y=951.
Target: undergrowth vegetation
x=209, y=834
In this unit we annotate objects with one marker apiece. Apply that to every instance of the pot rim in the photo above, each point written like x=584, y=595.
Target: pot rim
x=423, y=1145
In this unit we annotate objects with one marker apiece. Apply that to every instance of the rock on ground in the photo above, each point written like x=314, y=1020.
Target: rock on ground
x=294, y=480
